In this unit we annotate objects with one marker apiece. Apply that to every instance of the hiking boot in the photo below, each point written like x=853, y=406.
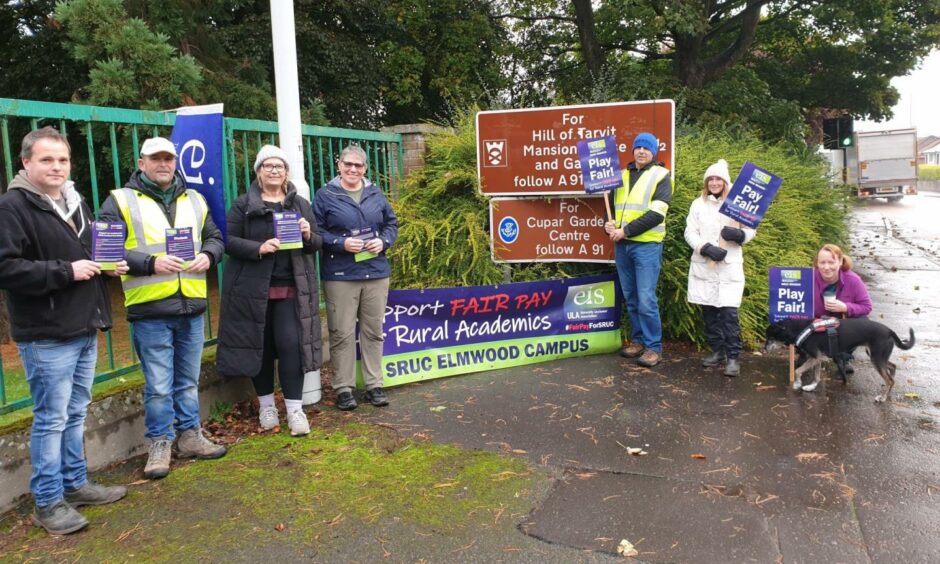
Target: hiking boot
x=377, y=397
x=59, y=518
x=298, y=423
x=345, y=401
x=632, y=350
x=732, y=369
x=192, y=444
x=649, y=359
x=158, y=463
x=714, y=359
x=94, y=494
x=268, y=418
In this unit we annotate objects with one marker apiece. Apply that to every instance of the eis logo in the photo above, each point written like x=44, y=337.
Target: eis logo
x=791, y=275
x=508, y=230
x=760, y=177
x=495, y=153
x=589, y=301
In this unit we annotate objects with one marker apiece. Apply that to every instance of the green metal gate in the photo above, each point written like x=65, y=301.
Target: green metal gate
x=105, y=144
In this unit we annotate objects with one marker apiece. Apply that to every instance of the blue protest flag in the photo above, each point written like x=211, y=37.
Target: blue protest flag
x=197, y=136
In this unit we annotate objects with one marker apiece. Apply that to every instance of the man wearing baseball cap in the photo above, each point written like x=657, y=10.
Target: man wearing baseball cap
x=638, y=230
x=165, y=296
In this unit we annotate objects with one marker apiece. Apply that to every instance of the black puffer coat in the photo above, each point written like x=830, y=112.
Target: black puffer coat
x=247, y=278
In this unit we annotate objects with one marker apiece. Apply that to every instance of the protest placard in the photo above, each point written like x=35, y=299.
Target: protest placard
x=750, y=195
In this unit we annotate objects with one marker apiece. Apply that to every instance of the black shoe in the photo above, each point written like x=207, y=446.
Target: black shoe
x=60, y=518
x=714, y=359
x=732, y=369
x=376, y=396
x=346, y=402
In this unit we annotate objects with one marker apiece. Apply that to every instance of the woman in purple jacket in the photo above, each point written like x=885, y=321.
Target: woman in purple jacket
x=838, y=291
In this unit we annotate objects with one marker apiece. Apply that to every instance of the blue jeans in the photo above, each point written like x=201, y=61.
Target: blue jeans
x=170, y=351
x=638, y=267
x=60, y=374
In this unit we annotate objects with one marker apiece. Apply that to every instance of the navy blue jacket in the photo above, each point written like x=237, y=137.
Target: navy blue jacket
x=338, y=216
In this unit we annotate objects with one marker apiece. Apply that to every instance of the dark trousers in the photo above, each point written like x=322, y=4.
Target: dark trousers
x=281, y=341
x=723, y=330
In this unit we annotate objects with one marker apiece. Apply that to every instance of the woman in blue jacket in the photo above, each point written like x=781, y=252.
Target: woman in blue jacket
x=358, y=226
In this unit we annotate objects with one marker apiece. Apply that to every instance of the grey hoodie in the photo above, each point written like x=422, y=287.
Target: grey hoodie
x=70, y=197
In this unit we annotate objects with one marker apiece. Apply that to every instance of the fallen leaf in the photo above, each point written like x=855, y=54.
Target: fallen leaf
x=279, y=527
x=804, y=456
x=626, y=549
x=698, y=456
x=912, y=395
x=438, y=408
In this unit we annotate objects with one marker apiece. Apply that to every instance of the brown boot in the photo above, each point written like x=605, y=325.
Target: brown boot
x=632, y=350
x=193, y=444
x=649, y=358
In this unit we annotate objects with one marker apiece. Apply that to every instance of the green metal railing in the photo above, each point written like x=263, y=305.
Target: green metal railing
x=105, y=144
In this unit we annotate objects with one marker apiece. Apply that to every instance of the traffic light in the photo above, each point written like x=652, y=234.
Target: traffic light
x=837, y=132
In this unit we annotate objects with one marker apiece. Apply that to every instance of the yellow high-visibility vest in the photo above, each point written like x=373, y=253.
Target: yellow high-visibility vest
x=146, y=232
x=631, y=204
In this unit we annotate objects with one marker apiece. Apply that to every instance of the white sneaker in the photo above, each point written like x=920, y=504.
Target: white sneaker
x=268, y=418
x=297, y=421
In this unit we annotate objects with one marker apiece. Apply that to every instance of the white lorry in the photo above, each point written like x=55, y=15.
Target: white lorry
x=886, y=163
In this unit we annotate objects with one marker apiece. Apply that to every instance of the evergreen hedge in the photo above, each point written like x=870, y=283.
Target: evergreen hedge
x=444, y=224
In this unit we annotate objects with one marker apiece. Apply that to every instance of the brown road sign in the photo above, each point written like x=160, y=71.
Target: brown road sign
x=565, y=228
x=534, y=151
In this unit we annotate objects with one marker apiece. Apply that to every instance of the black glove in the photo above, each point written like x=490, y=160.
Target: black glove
x=732, y=234
x=717, y=254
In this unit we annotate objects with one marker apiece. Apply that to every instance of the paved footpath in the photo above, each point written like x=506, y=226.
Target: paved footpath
x=737, y=469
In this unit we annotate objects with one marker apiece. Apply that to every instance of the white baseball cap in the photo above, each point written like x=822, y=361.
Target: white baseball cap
x=156, y=145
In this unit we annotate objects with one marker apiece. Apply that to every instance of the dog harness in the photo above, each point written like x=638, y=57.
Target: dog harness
x=830, y=325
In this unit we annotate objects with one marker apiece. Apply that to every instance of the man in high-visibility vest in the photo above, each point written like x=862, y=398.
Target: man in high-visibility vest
x=638, y=230
x=165, y=295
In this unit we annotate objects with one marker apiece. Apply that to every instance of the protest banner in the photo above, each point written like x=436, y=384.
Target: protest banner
x=791, y=297
x=549, y=230
x=750, y=195
x=197, y=135
x=440, y=332
x=533, y=151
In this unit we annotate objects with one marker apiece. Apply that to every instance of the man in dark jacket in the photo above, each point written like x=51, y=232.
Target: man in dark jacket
x=57, y=302
x=165, y=294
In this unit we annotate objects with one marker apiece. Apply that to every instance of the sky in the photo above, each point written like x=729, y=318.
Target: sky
x=919, y=105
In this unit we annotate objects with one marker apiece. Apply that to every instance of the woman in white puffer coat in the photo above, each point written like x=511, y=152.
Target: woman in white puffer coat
x=716, y=272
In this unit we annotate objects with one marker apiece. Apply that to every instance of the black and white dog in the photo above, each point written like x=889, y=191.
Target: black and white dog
x=857, y=332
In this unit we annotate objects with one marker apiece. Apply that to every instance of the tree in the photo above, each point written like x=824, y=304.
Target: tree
x=131, y=66
x=34, y=63
x=816, y=54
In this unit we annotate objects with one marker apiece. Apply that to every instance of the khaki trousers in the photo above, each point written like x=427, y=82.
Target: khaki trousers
x=347, y=301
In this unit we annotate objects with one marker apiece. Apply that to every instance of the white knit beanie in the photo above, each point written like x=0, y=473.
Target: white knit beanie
x=719, y=169
x=270, y=152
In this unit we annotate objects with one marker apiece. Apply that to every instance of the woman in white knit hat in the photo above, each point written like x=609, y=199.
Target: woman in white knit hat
x=270, y=293
x=716, y=272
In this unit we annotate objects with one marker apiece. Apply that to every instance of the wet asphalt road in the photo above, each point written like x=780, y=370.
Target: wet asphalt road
x=737, y=469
